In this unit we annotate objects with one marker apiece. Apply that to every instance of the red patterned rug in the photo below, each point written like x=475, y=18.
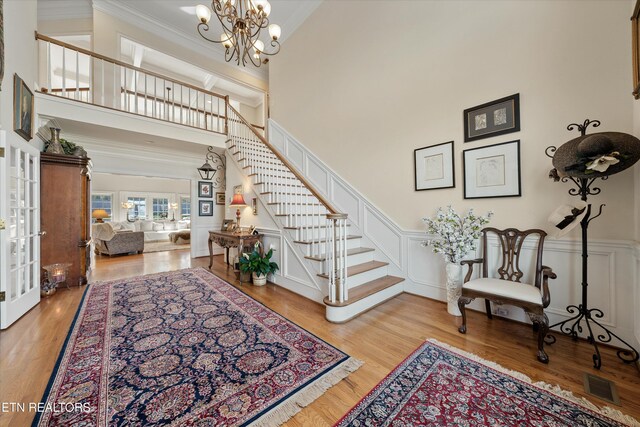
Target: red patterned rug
x=439, y=385
x=185, y=348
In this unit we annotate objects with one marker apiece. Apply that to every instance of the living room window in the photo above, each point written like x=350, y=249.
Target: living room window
x=139, y=210
x=185, y=207
x=102, y=201
x=160, y=208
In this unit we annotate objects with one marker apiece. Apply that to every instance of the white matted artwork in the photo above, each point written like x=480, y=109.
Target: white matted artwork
x=492, y=171
x=434, y=167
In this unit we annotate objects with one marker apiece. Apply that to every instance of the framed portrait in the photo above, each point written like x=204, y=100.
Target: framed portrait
x=205, y=208
x=635, y=31
x=220, y=197
x=492, y=171
x=494, y=118
x=205, y=189
x=433, y=167
x=237, y=189
x=22, y=108
x=254, y=206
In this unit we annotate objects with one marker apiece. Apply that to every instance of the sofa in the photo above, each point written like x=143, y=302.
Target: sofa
x=154, y=230
x=107, y=241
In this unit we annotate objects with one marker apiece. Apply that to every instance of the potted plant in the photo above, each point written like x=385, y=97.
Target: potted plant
x=456, y=236
x=258, y=264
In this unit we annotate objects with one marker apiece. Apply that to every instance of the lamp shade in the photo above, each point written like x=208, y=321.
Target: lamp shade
x=99, y=214
x=238, y=200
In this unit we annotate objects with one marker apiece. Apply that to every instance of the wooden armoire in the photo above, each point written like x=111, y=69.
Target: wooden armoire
x=65, y=220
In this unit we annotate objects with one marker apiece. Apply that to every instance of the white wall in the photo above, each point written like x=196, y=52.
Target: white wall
x=375, y=96
x=117, y=185
x=20, y=57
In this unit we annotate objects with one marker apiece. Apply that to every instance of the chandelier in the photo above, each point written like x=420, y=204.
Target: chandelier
x=242, y=21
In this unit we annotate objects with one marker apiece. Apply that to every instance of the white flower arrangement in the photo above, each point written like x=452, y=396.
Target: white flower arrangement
x=457, y=236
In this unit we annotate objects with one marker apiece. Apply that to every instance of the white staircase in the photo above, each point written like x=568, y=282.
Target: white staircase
x=353, y=279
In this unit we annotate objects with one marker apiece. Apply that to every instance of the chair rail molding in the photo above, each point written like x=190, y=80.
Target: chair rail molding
x=614, y=265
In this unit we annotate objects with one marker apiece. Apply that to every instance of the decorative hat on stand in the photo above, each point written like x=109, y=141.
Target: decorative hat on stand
x=582, y=161
x=566, y=217
x=596, y=155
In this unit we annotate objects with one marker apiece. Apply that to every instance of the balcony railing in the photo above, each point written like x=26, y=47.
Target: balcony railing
x=75, y=73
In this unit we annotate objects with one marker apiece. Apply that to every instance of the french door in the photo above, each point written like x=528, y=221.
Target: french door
x=19, y=238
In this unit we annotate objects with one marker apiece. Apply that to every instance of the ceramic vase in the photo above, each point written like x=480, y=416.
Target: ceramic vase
x=259, y=280
x=454, y=287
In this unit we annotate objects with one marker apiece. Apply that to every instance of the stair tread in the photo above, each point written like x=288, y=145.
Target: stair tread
x=354, y=251
x=366, y=289
x=361, y=268
x=308, y=242
x=303, y=214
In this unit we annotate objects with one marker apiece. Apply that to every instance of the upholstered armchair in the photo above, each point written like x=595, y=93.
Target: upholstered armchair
x=109, y=242
x=506, y=288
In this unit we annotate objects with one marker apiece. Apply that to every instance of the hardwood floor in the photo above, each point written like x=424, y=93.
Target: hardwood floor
x=382, y=338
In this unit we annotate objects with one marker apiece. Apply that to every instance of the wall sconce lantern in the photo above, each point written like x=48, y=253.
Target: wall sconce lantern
x=208, y=171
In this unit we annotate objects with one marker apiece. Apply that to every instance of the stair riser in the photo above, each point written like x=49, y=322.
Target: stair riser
x=307, y=234
x=299, y=210
x=260, y=178
x=320, y=248
x=343, y=314
x=304, y=220
x=351, y=260
x=367, y=276
x=289, y=198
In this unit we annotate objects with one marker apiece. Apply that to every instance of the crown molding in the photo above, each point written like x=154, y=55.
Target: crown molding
x=165, y=31
x=64, y=9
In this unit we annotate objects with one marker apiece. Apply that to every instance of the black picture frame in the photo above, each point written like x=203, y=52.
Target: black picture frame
x=205, y=208
x=205, y=189
x=426, y=177
x=22, y=108
x=635, y=41
x=494, y=118
x=492, y=171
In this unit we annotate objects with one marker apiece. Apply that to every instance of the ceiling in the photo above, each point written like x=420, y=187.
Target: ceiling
x=175, y=19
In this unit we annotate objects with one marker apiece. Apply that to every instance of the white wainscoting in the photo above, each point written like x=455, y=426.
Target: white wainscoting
x=613, y=265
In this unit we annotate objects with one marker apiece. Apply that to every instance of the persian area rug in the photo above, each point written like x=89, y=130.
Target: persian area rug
x=185, y=348
x=439, y=385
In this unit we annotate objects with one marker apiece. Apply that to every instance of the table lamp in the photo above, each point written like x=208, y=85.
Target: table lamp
x=99, y=215
x=238, y=202
x=173, y=207
x=128, y=206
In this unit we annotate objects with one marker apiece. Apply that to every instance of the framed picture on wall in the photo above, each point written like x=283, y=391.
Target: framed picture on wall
x=433, y=167
x=494, y=118
x=254, y=206
x=205, y=189
x=492, y=171
x=635, y=31
x=22, y=108
x=206, y=208
x=237, y=189
x=220, y=197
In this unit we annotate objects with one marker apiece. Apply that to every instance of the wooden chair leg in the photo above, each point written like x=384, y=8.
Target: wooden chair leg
x=487, y=304
x=542, y=321
x=462, y=302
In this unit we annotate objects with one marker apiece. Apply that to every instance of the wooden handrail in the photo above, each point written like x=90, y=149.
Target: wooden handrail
x=293, y=170
x=122, y=64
